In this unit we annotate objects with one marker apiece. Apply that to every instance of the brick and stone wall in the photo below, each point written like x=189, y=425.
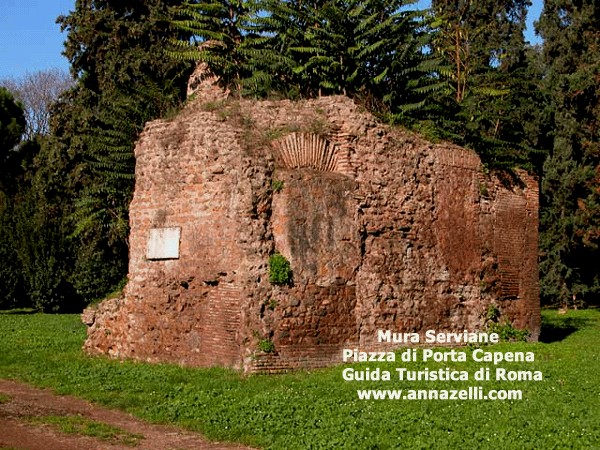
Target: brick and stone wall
x=383, y=230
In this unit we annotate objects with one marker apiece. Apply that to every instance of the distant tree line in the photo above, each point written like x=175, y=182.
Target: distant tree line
x=460, y=71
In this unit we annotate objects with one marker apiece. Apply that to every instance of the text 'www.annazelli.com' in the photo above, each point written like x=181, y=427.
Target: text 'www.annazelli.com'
x=472, y=393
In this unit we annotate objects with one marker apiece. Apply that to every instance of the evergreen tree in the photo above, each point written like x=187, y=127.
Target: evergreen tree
x=33, y=271
x=119, y=43
x=12, y=126
x=116, y=50
x=43, y=252
x=12, y=286
x=491, y=82
x=570, y=220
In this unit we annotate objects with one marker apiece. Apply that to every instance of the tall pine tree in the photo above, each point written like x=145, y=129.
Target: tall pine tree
x=492, y=86
x=570, y=220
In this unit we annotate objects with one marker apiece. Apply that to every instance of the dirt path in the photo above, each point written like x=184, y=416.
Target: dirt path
x=19, y=432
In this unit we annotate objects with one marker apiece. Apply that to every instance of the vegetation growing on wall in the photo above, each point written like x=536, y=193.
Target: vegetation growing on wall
x=280, y=271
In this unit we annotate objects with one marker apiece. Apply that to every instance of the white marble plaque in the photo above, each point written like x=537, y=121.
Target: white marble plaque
x=163, y=243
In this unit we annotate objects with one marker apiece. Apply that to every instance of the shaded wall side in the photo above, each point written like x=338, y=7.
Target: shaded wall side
x=423, y=244
x=516, y=244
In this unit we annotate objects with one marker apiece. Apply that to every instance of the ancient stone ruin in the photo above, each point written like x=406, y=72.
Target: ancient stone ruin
x=382, y=230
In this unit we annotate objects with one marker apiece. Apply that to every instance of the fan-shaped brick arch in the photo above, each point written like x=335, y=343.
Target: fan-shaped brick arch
x=298, y=150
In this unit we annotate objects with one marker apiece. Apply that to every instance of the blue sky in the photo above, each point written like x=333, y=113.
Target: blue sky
x=30, y=40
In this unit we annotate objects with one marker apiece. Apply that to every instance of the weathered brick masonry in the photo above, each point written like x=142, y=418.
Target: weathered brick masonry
x=383, y=230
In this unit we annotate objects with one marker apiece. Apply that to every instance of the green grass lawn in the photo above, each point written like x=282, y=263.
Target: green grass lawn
x=319, y=410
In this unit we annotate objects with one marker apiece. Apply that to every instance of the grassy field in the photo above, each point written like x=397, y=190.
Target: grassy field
x=319, y=410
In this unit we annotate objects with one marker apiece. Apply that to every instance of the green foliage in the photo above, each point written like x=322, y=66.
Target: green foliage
x=12, y=286
x=483, y=190
x=314, y=410
x=280, y=271
x=85, y=173
x=36, y=268
x=493, y=313
x=367, y=49
x=115, y=44
x=271, y=304
x=213, y=106
x=221, y=26
x=19, y=311
x=100, y=216
x=341, y=47
x=570, y=216
x=507, y=332
x=12, y=127
x=491, y=30
x=43, y=254
x=265, y=345
x=118, y=289
x=12, y=123
x=277, y=185
x=499, y=324
x=487, y=96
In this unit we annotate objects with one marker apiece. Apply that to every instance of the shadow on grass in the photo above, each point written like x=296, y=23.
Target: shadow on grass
x=18, y=311
x=558, y=328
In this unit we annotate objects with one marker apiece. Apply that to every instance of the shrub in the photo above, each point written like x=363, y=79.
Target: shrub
x=507, y=332
x=497, y=323
x=279, y=269
x=266, y=346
